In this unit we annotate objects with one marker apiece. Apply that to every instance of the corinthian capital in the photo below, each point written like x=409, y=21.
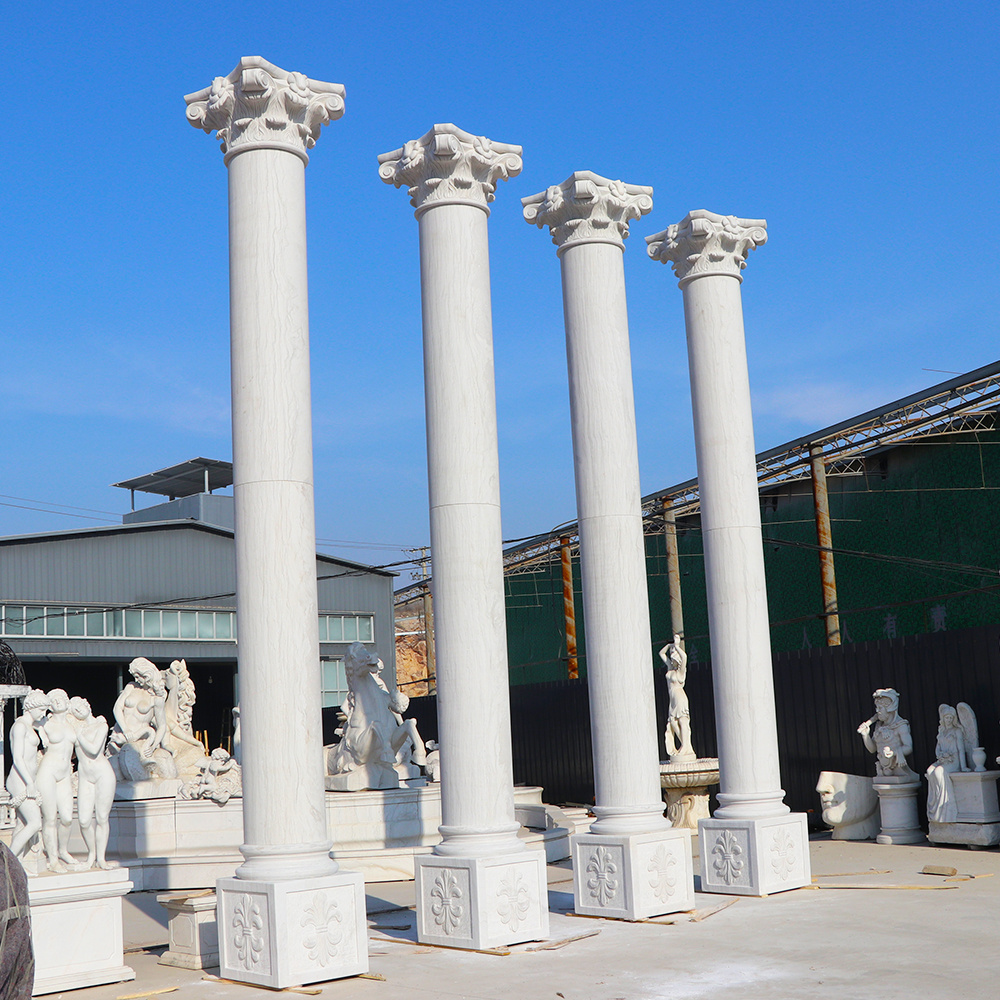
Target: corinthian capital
x=450, y=167
x=259, y=106
x=588, y=208
x=705, y=243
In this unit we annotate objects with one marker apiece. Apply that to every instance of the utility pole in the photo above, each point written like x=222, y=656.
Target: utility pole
x=424, y=562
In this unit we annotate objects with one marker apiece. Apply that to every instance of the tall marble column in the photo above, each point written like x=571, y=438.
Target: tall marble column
x=631, y=864
x=480, y=888
x=753, y=845
x=289, y=916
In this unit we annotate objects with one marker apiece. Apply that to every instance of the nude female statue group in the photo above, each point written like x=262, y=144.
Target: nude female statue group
x=41, y=790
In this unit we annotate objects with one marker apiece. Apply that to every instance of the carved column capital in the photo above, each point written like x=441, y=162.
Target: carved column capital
x=704, y=243
x=450, y=167
x=588, y=208
x=259, y=106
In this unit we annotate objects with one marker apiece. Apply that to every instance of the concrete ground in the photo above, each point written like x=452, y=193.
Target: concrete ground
x=882, y=942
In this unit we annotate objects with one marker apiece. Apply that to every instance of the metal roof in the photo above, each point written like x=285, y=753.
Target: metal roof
x=197, y=475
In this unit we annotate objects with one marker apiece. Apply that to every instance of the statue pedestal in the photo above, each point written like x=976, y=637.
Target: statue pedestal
x=194, y=932
x=685, y=787
x=897, y=803
x=76, y=929
x=978, y=820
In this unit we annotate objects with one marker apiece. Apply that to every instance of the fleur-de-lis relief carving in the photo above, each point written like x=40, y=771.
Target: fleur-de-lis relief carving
x=588, y=208
x=514, y=899
x=602, y=869
x=259, y=105
x=663, y=879
x=782, y=853
x=450, y=166
x=323, y=918
x=706, y=243
x=447, y=910
x=729, y=862
x=248, y=937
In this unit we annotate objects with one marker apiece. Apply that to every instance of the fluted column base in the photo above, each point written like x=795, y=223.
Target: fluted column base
x=754, y=857
x=482, y=902
x=289, y=933
x=633, y=877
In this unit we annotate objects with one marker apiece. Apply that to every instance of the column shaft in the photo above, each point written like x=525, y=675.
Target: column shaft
x=734, y=561
x=612, y=551
x=284, y=820
x=477, y=798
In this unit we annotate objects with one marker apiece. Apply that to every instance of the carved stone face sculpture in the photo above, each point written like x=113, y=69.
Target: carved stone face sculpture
x=849, y=804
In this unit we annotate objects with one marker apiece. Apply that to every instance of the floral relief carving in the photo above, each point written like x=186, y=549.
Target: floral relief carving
x=588, y=208
x=260, y=104
x=248, y=926
x=448, y=165
x=663, y=879
x=706, y=243
x=447, y=911
x=602, y=869
x=782, y=853
x=514, y=899
x=728, y=863
x=323, y=918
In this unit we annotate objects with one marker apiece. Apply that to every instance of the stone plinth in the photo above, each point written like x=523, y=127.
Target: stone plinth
x=651, y=874
x=289, y=933
x=685, y=787
x=194, y=934
x=76, y=929
x=482, y=902
x=897, y=803
x=978, y=821
x=754, y=857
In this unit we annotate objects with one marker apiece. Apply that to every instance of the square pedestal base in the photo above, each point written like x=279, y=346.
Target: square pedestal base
x=482, y=902
x=633, y=877
x=754, y=857
x=76, y=929
x=193, y=929
x=291, y=933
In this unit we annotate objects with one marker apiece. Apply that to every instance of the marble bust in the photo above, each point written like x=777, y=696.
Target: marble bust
x=887, y=735
x=850, y=805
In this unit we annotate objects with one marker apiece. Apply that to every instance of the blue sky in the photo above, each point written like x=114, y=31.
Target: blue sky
x=868, y=136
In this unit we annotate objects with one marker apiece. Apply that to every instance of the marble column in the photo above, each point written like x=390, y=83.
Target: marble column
x=631, y=864
x=753, y=845
x=288, y=916
x=480, y=888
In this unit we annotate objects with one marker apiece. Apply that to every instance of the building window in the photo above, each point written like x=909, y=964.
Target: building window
x=334, y=682
x=346, y=628
x=120, y=623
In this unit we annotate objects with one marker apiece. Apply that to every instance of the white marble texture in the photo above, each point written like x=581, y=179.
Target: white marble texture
x=452, y=176
x=898, y=814
x=193, y=931
x=850, y=805
x=975, y=820
x=708, y=253
x=635, y=876
x=76, y=929
x=482, y=902
x=289, y=933
x=754, y=857
x=267, y=119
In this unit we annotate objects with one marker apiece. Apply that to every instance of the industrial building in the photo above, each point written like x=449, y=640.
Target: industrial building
x=79, y=605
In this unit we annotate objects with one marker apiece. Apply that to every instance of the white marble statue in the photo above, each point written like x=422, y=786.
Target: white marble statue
x=237, y=737
x=958, y=735
x=887, y=735
x=219, y=779
x=850, y=805
x=54, y=781
x=138, y=746
x=375, y=737
x=677, y=736
x=21, y=780
x=95, y=783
